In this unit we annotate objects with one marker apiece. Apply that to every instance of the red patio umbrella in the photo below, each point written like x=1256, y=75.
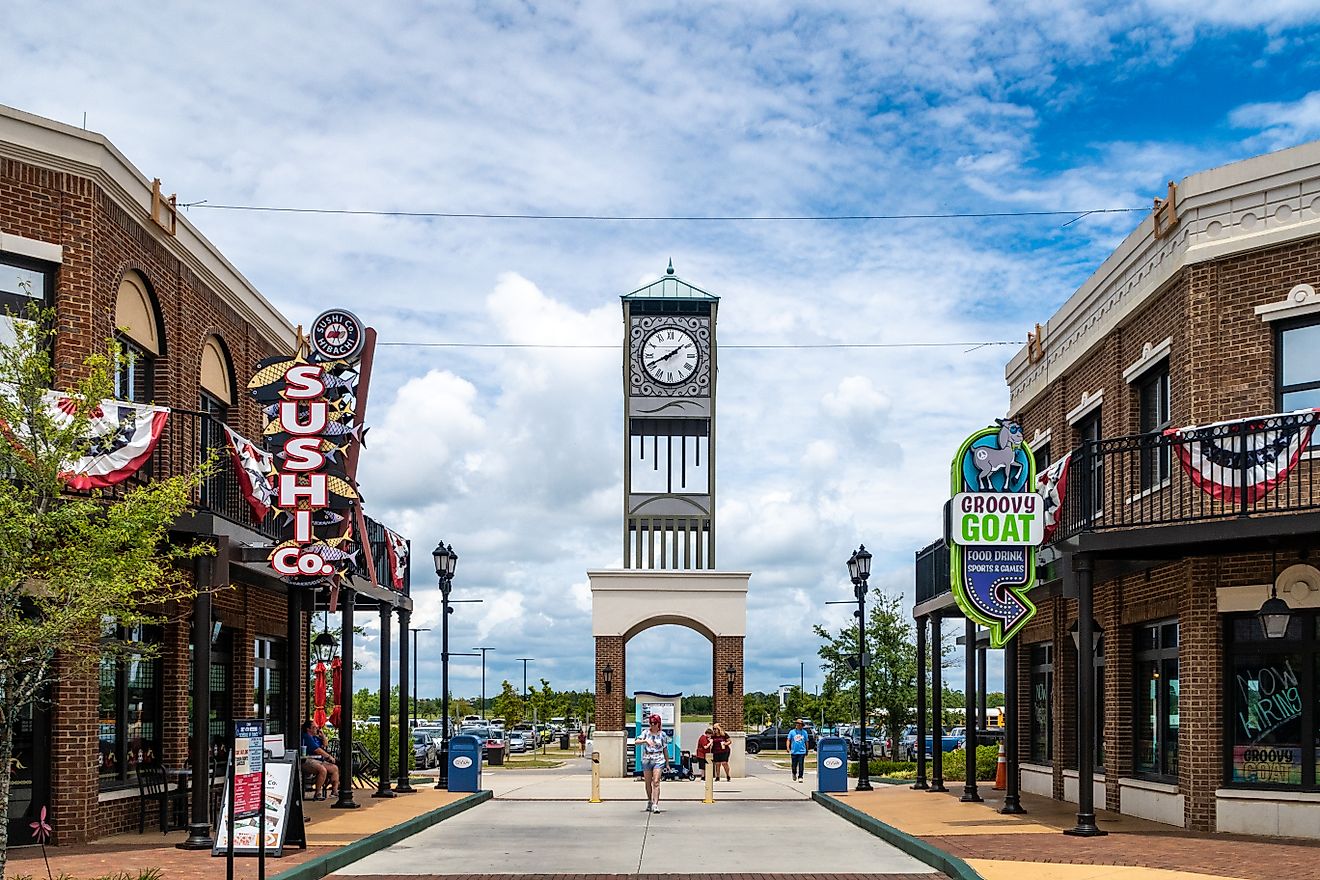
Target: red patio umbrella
x=318, y=695
x=335, y=666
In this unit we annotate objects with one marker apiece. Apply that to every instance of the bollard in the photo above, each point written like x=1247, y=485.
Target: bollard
x=595, y=777
x=710, y=782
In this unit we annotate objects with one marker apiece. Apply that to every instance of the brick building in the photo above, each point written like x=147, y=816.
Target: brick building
x=1206, y=315
x=83, y=231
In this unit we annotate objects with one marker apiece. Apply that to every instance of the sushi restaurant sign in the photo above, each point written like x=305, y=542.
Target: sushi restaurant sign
x=994, y=524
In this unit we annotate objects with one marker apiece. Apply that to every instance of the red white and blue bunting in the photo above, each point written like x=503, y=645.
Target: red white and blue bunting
x=1251, y=456
x=256, y=472
x=123, y=436
x=1053, y=487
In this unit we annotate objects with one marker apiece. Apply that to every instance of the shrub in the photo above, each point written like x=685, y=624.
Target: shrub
x=369, y=736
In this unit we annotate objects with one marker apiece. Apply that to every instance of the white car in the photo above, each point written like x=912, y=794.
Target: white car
x=516, y=742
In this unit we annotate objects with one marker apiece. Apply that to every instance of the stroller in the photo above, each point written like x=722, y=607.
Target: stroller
x=681, y=769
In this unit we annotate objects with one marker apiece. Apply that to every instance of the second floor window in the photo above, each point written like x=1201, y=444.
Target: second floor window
x=133, y=378
x=23, y=283
x=1297, y=377
x=1093, y=481
x=1152, y=419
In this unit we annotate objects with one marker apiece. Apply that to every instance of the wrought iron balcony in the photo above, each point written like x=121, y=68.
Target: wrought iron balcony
x=1251, y=467
x=932, y=571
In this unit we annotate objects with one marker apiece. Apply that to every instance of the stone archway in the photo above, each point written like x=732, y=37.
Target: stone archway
x=625, y=603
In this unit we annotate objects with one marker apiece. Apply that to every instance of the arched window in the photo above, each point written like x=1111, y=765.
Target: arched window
x=216, y=396
x=137, y=330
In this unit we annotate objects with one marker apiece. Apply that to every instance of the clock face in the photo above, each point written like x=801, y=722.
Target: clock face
x=670, y=355
x=337, y=334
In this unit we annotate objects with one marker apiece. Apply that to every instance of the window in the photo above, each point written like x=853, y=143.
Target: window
x=24, y=283
x=1156, y=700
x=268, y=675
x=129, y=716
x=1042, y=703
x=1042, y=455
x=1273, y=703
x=1297, y=380
x=1088, y=433
x=1153, y=418
x=212, y=435
x=133, y=378
x=221, y=694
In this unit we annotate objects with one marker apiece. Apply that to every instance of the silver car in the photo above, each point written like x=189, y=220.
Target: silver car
x=425, y=753
x=517, y=742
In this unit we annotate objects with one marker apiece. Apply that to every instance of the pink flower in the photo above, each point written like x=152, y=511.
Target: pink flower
x=41, y=828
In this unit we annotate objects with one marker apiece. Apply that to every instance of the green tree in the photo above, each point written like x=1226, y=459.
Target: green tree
x=72, y=567
x=508, y=705
x=891, y=677
x=365, y=702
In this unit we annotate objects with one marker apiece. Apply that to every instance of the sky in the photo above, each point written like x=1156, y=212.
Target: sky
x=769, y=109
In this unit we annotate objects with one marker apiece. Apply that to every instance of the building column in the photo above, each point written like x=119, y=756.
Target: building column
x=345, y=802
x=293, y=661
x=970, y=701
x=403, y=786
x=921, y=707
x=936, y=704
x=1084, y=565
x=728, y=700
x=386, y=618
x=1200, y=667
x=199, y=822
x=611, y=675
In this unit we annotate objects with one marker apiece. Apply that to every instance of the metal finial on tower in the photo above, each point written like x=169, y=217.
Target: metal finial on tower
x=670, y=270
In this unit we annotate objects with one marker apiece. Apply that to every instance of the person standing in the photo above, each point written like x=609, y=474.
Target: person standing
x=655, y=755
x=797, y=749
x=703, y=750
x=582, y=742
x=720, y=744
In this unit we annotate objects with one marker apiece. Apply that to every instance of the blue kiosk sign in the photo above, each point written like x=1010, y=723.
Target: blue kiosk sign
x=995, y=524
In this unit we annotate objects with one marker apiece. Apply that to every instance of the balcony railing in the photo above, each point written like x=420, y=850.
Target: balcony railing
x=192, y=437
x=1251, y=467
x=932, y=571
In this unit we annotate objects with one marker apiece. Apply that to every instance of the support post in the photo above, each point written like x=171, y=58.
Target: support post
x=1084, y=566
x=445, y=610
x=403, y=787
x=921, y=706
x=296, y=665
x=981, y=708
x=1012, y=801
x=199, y=825
x=970, y=793
x=346, y=802
x=386, y=618
x=936, y=704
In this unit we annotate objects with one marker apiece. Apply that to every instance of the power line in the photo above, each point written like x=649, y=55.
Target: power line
x=629, y=218
x=744, y=347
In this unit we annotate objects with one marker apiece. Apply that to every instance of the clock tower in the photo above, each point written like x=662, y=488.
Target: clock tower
x=669, y=372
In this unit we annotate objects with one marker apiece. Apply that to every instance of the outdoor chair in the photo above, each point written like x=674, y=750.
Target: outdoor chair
x=366, y=769
x=153, y=787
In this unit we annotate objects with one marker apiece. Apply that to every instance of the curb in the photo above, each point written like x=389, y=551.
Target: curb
x=954, y=867
x=315, y=869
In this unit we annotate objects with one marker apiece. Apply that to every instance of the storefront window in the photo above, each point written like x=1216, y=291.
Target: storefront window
x=1156, y=700
x=1273, y=703
x=221, y=693
x=1042, y=700
x=129, y=705
x=268, y=692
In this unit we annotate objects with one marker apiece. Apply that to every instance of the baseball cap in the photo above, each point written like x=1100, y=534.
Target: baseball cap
x=654, y=719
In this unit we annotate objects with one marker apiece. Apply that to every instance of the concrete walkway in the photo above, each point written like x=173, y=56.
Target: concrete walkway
x=541, y=823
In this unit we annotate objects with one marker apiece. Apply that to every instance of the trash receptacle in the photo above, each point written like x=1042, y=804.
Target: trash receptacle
x=495, y=757
x=831, y=764
x=465, y=763
x=563, y=741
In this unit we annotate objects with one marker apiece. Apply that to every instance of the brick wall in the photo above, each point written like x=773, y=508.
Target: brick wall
x=609, y=707
x=728, y=708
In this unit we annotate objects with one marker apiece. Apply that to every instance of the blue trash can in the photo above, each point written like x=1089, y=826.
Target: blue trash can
x=465, y=763
x=831, y=764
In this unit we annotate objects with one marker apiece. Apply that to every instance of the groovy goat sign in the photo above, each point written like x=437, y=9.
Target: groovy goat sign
x=995, y=522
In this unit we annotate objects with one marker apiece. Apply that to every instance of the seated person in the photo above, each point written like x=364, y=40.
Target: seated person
x=318, y=762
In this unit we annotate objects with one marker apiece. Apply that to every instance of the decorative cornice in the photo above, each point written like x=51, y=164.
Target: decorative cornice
x=1260, y=202
x=1302, y=300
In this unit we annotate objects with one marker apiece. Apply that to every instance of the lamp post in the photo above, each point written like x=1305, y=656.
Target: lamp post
x=446, y=563
x=483, y=678
x=859, y=570
x=417, y=661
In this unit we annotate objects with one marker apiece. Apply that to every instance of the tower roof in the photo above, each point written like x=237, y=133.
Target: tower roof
x=671, y=287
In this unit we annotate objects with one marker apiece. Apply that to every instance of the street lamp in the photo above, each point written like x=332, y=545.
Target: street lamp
x=483, y=678
x=730, y=675
x=446, y=563
x=323, y=646
x=417, y=661
x=859, y=570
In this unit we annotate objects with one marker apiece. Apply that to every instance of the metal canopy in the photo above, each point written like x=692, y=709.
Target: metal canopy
x=671, y=287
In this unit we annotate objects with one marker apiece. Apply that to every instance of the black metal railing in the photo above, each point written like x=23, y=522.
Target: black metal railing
x=1252, y=467
x=380, y=557
x=932, y=571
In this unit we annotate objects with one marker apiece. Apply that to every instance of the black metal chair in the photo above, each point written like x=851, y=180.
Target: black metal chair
x=152, y=786
x=366, y=769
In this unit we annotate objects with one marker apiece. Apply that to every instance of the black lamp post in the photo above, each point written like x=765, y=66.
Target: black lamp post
x=323, y=646
x=859, y=570
x=446, y=563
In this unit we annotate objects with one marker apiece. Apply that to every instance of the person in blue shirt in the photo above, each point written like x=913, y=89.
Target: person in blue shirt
x=318, y=762
x=797, y=749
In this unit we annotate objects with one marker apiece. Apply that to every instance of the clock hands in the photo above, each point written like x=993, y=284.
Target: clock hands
x=667, y=356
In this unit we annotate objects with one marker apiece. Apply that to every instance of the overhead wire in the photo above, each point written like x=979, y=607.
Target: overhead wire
x=723, y=345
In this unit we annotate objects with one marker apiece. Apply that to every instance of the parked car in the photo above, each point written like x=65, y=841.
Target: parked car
x=373, y=719
x=907, y=743
x=854, y=737
x=516, y=742
x=775, y=738
x=425, y=754
x=493, y=736
x=948, y=743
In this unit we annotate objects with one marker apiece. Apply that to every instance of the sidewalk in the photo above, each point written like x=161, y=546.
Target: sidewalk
x=327, y=829
x=1033, y=846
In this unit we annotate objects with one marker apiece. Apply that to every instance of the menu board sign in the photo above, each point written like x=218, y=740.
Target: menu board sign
x=249, y=737
x=284, y=819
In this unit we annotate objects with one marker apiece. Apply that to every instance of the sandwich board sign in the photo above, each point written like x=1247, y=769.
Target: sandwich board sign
x=995, y=523
x=284, y=823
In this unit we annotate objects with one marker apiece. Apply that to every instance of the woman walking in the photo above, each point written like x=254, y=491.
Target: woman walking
x=719, y=751
x=655, y=755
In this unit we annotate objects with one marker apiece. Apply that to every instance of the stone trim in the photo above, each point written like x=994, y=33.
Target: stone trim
x=1091, y=401
x=1151, y=355
x=1301, y=301
x=31, y=247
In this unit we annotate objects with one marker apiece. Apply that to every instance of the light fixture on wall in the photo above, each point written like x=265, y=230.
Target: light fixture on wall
x=730, y=675
x=607, y=674
x=1096, y=634
x=1275, y=614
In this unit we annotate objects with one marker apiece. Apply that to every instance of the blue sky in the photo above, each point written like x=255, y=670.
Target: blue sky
x=773, y=108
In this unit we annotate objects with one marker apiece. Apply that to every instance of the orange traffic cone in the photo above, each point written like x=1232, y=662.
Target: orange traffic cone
x=1001, y=771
